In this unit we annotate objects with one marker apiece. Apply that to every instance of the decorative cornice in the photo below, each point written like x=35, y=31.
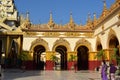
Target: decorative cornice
x=72, y=34
x=51, y=34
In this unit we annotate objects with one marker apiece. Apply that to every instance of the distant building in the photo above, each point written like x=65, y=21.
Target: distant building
x=44, y=41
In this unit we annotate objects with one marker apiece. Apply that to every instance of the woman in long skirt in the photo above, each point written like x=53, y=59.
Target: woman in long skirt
x=104, y=71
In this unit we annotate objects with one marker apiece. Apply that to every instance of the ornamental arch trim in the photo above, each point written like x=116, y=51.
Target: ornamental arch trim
x=62, y=42
x=37, y=42
x=111, y=34
x=83, y=42
x=98, y=43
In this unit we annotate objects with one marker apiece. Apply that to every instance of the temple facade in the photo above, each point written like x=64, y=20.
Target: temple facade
x=55, y=46
x=11, y=38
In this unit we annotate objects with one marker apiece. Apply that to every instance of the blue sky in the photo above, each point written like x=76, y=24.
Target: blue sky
x=40, y=9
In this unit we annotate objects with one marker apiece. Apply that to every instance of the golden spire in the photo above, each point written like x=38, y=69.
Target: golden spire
x=71, y=19
x=27, y=16
x=94, y=17
x=25, y=21
x=51, y=22
x=88, y=20
x=105, y=7
x=71, y=23
x=51, y=19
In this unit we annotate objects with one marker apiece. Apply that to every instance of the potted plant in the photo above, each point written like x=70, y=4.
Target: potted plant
x=72, y=62
x=24, y=56
x=101, y=57
x=55, y=60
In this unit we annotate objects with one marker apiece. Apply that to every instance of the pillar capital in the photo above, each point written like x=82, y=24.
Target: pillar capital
x=71, y=53
x=49, y=54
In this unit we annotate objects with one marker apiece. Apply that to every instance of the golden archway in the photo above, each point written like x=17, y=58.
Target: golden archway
x=83, y=42
x=62, y=47
x=62, y=42
x=98, y=44
x=37, y=42
x=38, y=49
x=82, y=48
x=112, y=39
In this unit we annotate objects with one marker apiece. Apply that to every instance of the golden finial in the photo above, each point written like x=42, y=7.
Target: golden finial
x=27, y=15
x=89, y=20
x=104, y=12
x=51, y=16
x=51, y=22
x=71, y=19
x=104, y=7
x=94, y=14
x=71, y=23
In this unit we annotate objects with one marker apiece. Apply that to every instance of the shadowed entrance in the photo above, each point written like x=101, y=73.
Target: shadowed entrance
x=12, y=56
x=63, y=56
x=114, y=43
x=38, y=50
x=0, y=50
x=82, y=61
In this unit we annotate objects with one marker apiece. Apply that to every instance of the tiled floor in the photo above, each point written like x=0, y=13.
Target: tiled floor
x=49, y=75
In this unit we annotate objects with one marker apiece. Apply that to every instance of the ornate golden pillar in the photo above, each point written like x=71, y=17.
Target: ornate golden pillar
x=49, y=62
x=49, y=54
x=7, y=46
x=69, y=55
x=110, y=55
x=19, y=44
x=92, y=56
x=31, y=54
x=71, y=59
x=92, y=61
x=107, y=52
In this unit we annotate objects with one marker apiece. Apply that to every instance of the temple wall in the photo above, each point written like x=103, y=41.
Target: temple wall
x=107, y=24
x=27, y=42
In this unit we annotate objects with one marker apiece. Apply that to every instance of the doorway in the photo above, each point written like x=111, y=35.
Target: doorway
x=12, y=56
x=0, y=50
x=82, y=61
x=62, y=50
x=38, y=57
